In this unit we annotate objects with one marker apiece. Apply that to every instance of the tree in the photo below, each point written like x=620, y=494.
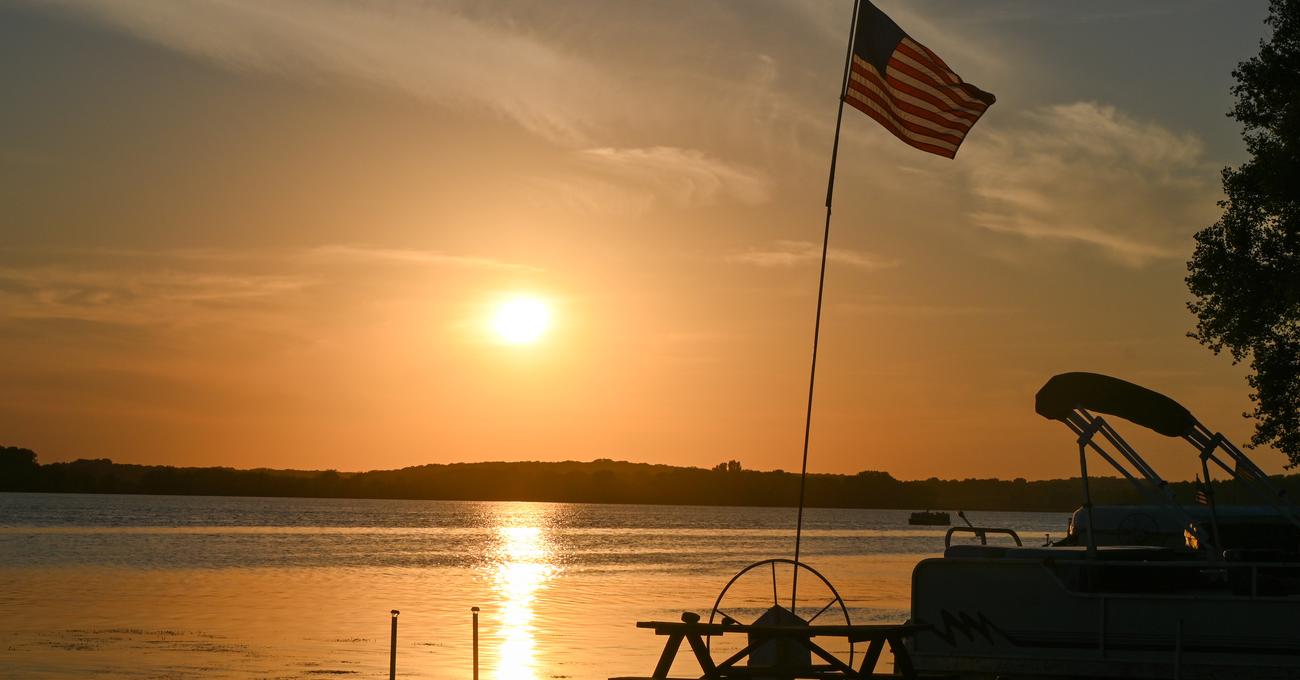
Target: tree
x=18, y=468
x=729, y=466
x=1244, y=274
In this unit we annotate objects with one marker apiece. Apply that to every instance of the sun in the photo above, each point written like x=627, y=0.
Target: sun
x=521, y=320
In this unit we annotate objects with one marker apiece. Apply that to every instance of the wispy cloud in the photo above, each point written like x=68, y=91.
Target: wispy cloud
x=126, y=296
x=540, y=66
x=634, y=180
x=684, y=176
x=419, y=48
x=369, y=254
x=802, y=253
x=921, y=310
x=1086, y=174
x=153, y=287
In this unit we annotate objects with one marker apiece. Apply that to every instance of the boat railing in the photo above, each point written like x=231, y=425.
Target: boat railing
x=981, y=533
x=1127, y=577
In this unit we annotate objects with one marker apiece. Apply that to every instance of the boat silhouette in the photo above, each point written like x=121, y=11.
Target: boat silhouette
x=1156, y=591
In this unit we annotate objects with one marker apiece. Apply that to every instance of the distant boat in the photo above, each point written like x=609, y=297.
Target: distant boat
x=932, y=519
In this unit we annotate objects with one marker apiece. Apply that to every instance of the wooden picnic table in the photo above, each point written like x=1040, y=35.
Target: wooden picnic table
x=690, y=630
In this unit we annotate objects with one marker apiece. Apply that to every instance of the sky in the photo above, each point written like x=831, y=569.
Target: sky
x=275, y=234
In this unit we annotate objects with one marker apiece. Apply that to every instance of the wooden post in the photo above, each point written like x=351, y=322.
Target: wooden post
x=392, y=649
x=474, y=611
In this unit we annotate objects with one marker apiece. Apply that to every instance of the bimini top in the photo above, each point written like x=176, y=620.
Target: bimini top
x=1104, y=394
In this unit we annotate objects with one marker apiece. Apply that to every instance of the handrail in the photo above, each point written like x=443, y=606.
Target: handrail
x=980, y=533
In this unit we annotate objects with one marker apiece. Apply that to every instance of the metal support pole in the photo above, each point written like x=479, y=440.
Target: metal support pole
x=1087, y=498
x=817, y=323
x=392, y=649
x=1214, y=510
x=1178, y=650
x=474, y=610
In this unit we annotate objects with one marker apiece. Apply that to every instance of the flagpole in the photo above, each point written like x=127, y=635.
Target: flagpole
x=817, y=324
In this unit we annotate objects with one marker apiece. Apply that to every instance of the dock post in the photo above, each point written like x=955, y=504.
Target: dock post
x=392, y=649
x=1178, y=650
x=474, y=610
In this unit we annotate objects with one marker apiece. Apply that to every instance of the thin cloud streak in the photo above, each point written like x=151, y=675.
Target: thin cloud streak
x=167, y=286
x=366, y=254
x=684, y=176
x=633, y=181
x=786, y=254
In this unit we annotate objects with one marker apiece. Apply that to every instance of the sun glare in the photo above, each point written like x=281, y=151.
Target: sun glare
x=521, y=320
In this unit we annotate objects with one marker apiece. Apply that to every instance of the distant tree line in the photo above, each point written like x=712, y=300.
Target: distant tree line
x=599, y=481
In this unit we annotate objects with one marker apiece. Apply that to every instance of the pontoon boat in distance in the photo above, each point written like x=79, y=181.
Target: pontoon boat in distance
x=1223, y=604
x=930, y=518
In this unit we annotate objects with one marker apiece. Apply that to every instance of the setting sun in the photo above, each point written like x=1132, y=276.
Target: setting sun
x=521, y=320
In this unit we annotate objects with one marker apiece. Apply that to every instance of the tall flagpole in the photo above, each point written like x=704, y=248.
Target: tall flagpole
x=817, y=324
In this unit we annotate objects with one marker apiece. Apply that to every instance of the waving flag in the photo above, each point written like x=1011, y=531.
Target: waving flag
x=908, y=89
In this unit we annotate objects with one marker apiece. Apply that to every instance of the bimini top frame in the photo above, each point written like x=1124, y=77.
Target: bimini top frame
x=1073, y=397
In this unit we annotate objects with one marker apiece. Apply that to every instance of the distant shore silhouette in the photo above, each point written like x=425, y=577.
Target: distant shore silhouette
x=599, y=481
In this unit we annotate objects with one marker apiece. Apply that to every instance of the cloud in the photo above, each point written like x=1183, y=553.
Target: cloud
x=118, y=295
x=368, y=254
x=921, y=310
x=684, y=176
x=169, y=287
x=429, y=51
x=576, y=75
x=1084, y=174
x=634, y=180
x=801, y=253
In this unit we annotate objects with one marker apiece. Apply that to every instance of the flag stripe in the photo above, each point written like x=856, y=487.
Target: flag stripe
x=927, y=96
x=922, y=72
x=906, y=102
x=904, y=84
x=883, y=119
x=939, y=93
x=943, y=66
x=956, y=91
x=912, y=130
x=917, y=59
x=899, y=66
x=918, y=52
x=873, y=109
x=915, y=123
x=938, y=66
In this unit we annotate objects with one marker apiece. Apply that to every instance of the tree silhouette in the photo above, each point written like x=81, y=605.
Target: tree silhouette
x=18, y=468
x=1245, y=272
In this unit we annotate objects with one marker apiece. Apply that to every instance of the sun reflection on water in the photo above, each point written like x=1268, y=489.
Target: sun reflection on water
x=524, y=565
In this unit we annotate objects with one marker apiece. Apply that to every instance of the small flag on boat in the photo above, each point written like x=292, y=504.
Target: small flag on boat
x=908, y=89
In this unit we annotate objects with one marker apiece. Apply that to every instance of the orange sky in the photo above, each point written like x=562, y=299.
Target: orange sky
x=274, y=235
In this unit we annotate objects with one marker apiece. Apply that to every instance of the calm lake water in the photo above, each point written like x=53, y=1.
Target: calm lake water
x=204, y=587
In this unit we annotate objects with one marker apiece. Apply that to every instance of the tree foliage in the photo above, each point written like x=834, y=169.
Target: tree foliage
x=1245, y=272
x=601, y=481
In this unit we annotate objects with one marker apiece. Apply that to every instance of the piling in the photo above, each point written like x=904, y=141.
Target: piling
x=474, y=612
x=392, y=649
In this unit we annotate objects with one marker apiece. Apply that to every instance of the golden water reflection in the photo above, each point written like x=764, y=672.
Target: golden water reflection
x=524, y=565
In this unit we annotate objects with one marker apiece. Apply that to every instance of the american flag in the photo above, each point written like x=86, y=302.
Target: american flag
x=908, y=89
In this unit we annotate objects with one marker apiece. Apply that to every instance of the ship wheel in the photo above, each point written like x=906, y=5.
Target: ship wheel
x=767, y=592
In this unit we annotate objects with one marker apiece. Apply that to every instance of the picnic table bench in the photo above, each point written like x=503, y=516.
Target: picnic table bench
x=690, y=630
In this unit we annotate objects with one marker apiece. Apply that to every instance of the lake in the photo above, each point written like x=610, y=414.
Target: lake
x=218, y=587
